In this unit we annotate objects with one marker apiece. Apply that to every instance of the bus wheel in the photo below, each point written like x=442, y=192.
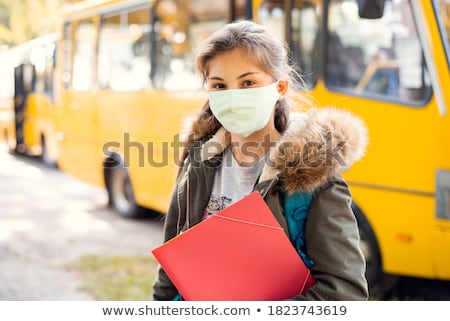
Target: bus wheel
x=45, y=157
x=121, y=193
x=370, y=249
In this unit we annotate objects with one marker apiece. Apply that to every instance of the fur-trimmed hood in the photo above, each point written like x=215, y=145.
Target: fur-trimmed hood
x=317, y=145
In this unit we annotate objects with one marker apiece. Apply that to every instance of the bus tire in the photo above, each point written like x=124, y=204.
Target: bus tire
x=371, y=251
x=121, y=194
x=45, y=156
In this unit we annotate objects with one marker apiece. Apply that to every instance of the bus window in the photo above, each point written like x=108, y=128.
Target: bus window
x=241, y=9
x=443, y=13
x=84, y=55
x=304, y=28
x=376, y=57
x=178, y=28
x=271, y=15
x=124, y=52
x=67, y=55
x=43, y=58
x=304, y=41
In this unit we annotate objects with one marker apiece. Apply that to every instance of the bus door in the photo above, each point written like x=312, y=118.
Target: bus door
x=24, y=79
x=78, y=100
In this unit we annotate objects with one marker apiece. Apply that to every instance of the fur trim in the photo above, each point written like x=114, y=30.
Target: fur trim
x=316, y=148
x=317, y=145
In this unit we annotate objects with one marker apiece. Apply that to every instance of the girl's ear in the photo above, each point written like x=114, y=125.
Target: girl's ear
x=282, y=87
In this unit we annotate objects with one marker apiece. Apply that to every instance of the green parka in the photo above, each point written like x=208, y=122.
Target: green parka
x=310, y=156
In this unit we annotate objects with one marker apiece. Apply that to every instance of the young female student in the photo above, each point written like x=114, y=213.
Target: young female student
x=247, y=138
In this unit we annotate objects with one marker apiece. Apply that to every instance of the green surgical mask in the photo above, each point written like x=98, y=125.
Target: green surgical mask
x=244, y=111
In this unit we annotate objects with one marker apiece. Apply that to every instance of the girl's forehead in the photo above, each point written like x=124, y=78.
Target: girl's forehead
x=234, y=60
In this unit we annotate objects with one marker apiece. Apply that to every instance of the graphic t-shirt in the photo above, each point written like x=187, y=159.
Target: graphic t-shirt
x=232, y=182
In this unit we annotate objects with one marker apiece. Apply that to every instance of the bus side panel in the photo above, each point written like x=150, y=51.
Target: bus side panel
x=38, y=120
x=144, y=129
x=79, y=151
x=403, y=226
x=7, y=122
x=441, y=248
x=7, y=131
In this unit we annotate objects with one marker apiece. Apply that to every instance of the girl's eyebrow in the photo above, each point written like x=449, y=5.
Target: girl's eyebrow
x=215, y=78
x=239, y=77
x=247, y=74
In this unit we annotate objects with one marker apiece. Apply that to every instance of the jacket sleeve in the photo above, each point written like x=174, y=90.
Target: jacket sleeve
x=163, y=288
x=332, y=241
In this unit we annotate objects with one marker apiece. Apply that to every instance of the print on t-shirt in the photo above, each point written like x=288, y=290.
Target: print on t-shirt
x=216, y=204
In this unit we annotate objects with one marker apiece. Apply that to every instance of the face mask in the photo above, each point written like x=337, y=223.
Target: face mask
x=244, y=111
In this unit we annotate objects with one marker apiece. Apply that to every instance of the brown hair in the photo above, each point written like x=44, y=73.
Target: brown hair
x=270, y=54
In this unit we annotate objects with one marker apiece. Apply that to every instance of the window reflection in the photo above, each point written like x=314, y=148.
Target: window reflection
x=443, y=10
x=178, y=28
x=84, y=55
x=271, y=15
x=304, y=33
x=124, y=51
x=304, y=40
x=380, y=57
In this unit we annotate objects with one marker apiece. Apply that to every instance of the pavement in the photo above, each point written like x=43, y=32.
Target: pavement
x=49, y=219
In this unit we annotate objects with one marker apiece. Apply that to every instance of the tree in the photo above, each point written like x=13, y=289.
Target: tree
x=23, y=20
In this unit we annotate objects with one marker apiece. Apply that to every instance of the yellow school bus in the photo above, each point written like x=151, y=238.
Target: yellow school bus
x=6, y=96
x=127, y=82
x=388, y=62
x=28, y=114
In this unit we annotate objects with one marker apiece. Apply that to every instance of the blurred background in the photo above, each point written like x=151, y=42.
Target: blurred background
x=93, y=95
x=23, y=20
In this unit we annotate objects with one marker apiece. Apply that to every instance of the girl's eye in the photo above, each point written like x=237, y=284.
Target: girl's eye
x=248, y=83
x=216, y=86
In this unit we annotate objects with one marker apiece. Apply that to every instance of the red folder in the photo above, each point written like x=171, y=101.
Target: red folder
x=240, y=253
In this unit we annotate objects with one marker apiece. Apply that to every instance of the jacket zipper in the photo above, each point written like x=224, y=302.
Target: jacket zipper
x=188, y=193
x=179, y=227
x=264, y=191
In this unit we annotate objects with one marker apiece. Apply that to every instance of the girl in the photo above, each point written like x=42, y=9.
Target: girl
x=245, y=139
